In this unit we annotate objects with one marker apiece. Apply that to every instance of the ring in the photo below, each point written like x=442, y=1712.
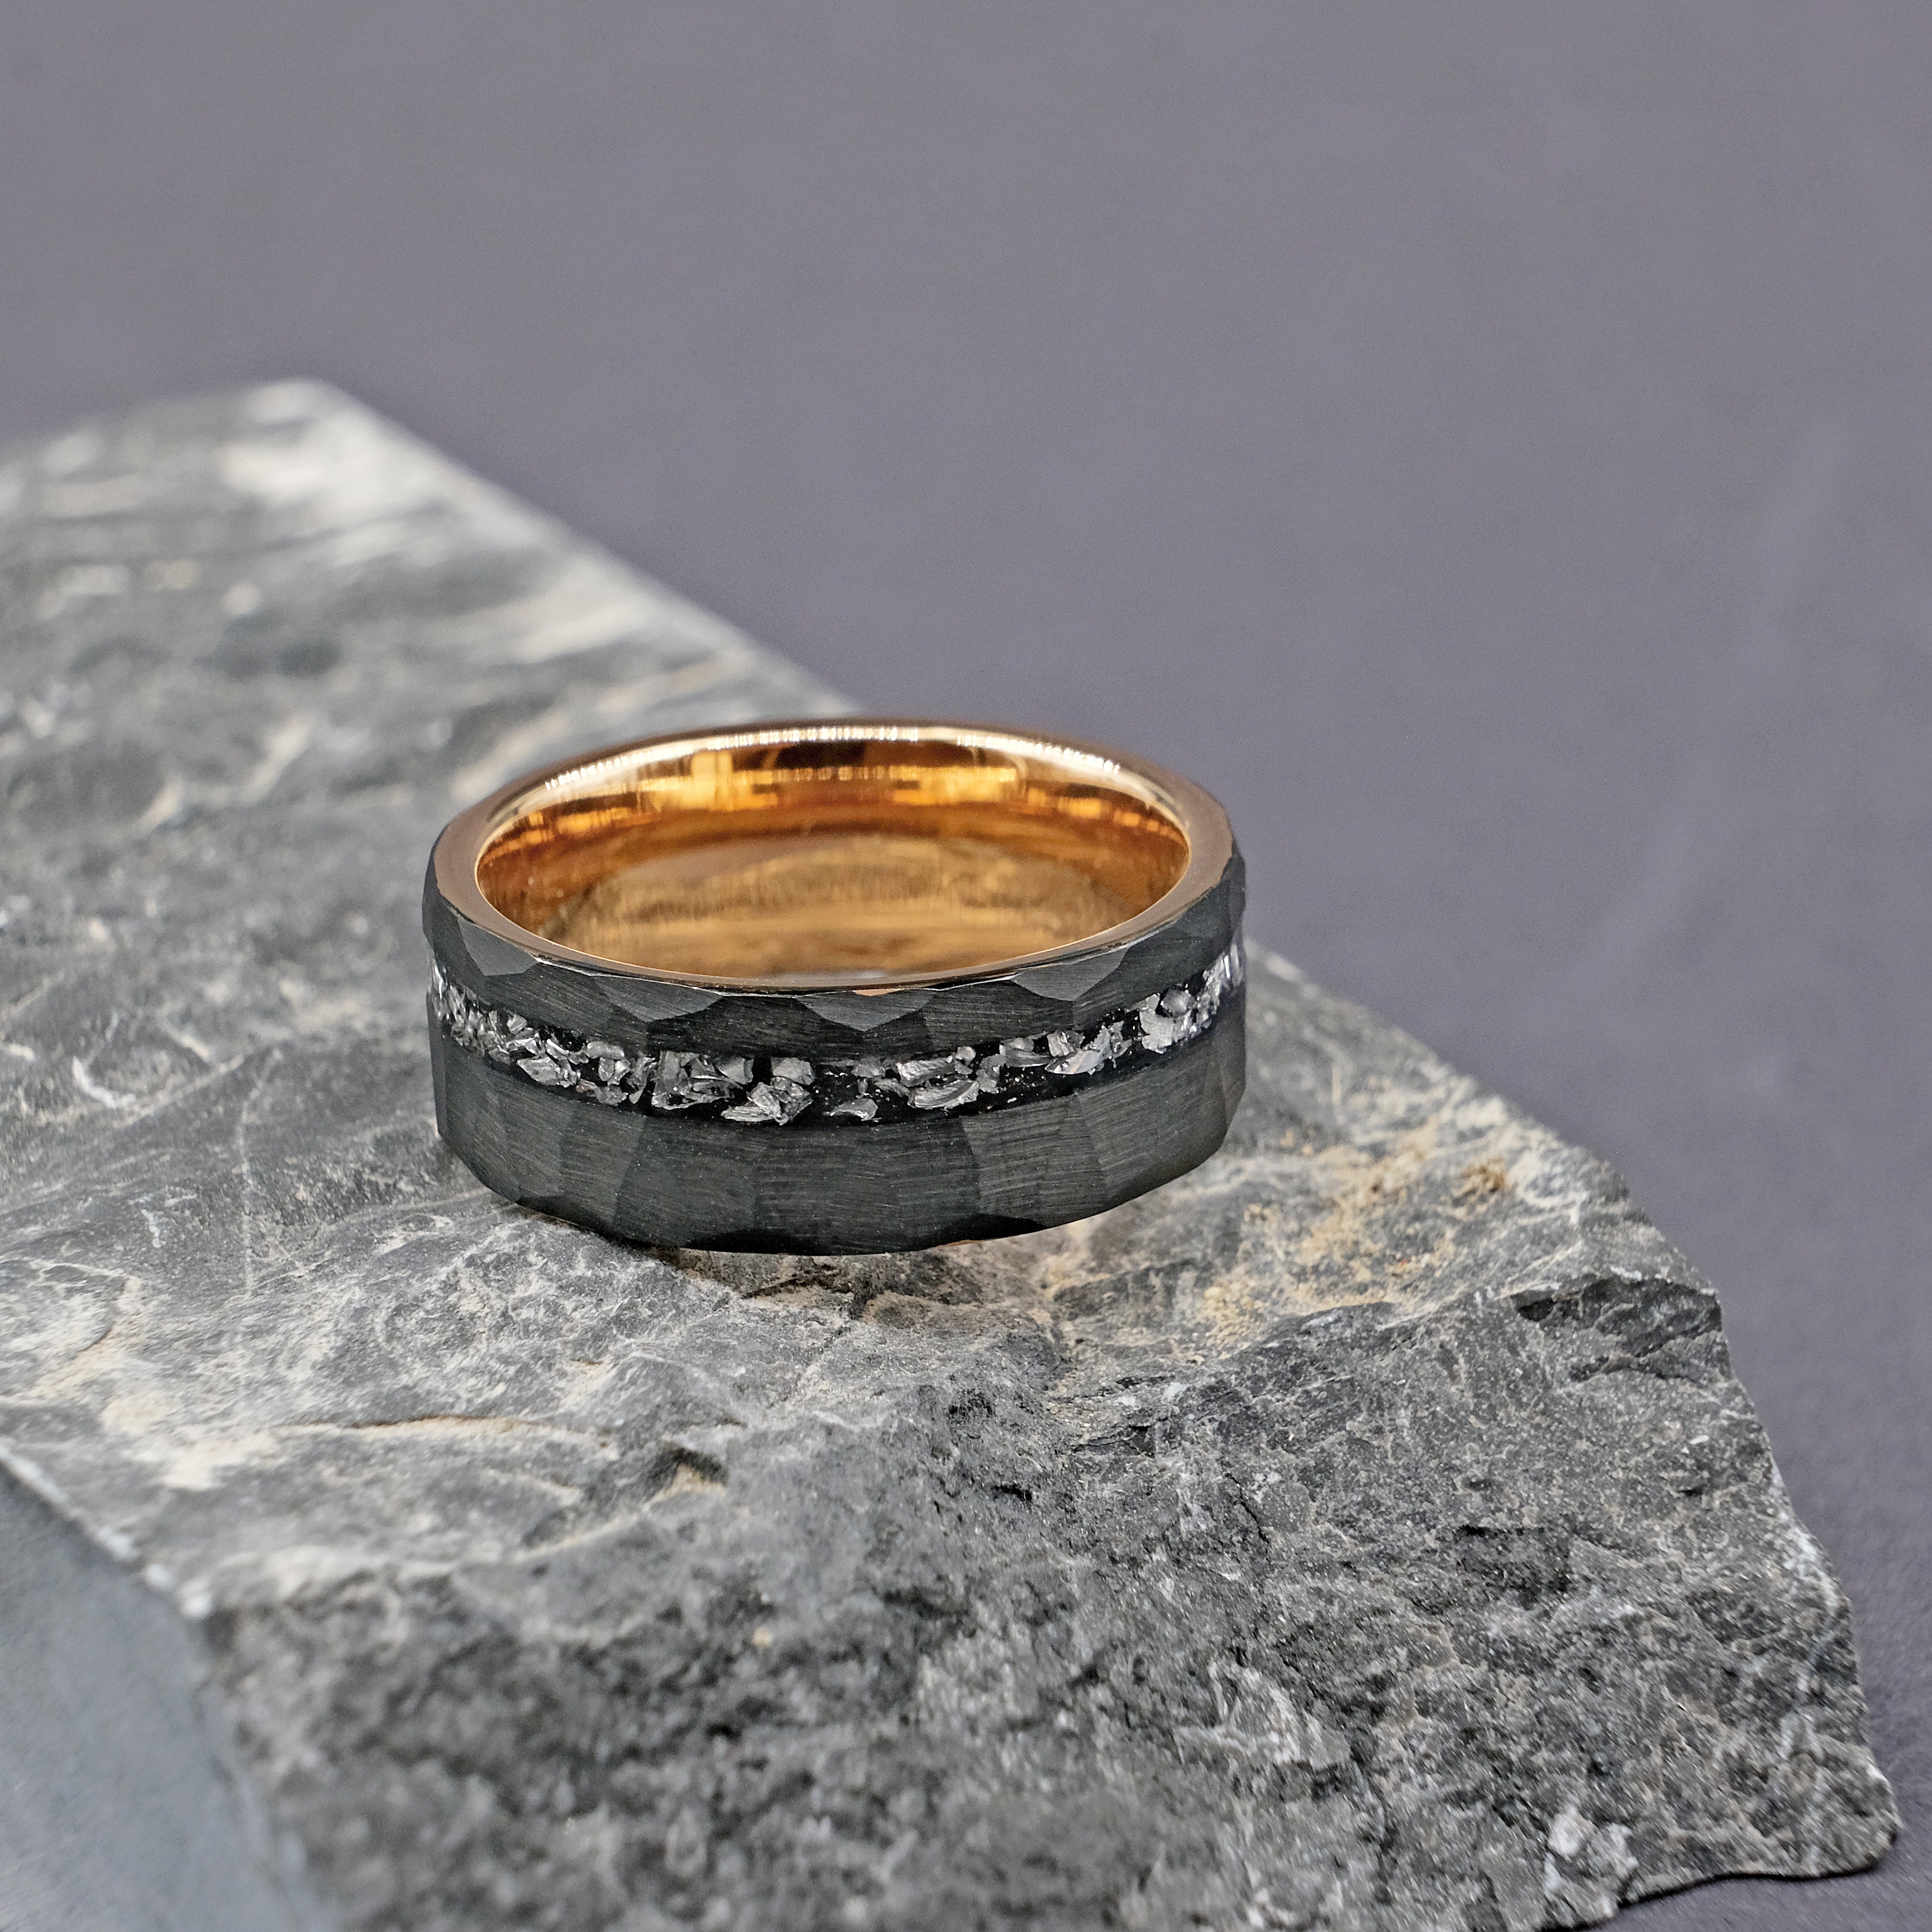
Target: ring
x=836, y=986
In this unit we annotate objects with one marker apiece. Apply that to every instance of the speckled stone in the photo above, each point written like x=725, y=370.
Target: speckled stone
x=1365, y=1530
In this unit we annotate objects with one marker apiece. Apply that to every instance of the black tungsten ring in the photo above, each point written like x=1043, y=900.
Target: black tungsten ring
x=836, y=986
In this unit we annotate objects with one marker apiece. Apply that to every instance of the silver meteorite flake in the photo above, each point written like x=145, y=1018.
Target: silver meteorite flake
x=618, y=1074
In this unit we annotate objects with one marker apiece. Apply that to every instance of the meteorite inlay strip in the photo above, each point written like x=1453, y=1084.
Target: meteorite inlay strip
x=762, y=1091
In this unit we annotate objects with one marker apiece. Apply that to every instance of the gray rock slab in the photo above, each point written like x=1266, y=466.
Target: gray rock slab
x=1365, y=1531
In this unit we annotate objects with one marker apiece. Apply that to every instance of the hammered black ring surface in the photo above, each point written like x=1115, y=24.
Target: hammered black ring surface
x=836, y=1105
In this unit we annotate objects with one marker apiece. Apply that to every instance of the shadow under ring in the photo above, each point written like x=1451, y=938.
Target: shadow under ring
x=836, y=985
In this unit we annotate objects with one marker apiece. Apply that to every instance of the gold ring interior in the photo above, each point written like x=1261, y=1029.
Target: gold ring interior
x=861, y=851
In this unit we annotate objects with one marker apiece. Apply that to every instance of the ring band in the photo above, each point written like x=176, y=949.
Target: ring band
x=836, y=986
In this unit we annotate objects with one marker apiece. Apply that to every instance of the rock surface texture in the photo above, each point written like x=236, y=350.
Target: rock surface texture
x=1366, y=1531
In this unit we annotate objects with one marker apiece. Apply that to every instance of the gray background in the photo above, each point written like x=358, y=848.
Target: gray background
x=1490, y=444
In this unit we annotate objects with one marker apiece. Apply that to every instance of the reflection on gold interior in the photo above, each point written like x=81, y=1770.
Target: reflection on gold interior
x=868, y=857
